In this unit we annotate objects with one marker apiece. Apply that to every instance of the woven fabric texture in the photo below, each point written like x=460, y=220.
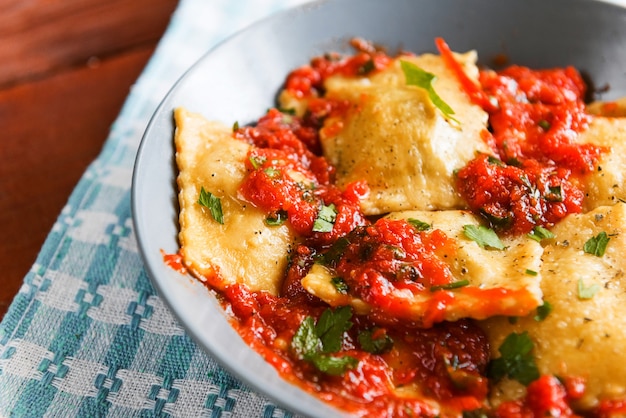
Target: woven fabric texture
x=87, y=336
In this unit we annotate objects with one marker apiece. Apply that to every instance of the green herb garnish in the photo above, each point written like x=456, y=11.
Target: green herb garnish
x=415, y=76
x=555, y=194
x=483, y=236
x=340, y=285
x=516, y=360
x=314, y=342
x=597, y=245
x=531, y=272
x=419, y=225
x=213, y=203
x=375, y=341
x=543, y=311
x=272, y=172
x=540, y=233
x=367, y=67
x=325, y=219
x=587, y=292
x=544, y=124
x=450, y=286
x=276, y=219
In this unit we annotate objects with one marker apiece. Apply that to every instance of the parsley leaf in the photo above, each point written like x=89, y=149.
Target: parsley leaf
x=375, y=341
x=313, y=342
x=325, y=219
x=585, y=292
x=543, y=311
x=516, y=360
x=597, y=245
x=450, y=286
x=415, y=76
x=331, y=326
x=335, y=366
x=340, y=285
x=213, y=203
x=419, y=225
x=276, y=219
x=540, y=233
x=483, y=236
x=305, y=340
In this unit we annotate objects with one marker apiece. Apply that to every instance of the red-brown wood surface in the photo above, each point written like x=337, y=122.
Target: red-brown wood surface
x=67, y=66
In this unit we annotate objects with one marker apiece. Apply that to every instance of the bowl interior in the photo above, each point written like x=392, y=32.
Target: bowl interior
x=239, y=79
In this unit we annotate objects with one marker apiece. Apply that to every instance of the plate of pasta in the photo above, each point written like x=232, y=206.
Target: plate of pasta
x=401, y=209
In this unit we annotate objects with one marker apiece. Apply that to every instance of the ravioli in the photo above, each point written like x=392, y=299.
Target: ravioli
x=585, y=333
x=398, y=141
x=243, y=249
x=500, y=282
x=607, y=184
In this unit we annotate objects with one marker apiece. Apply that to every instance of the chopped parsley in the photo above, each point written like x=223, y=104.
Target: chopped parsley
x=597, y=245
x=375, y=341
x=325, y=219
x=531, y=272
x=483, y=236
x=315, y=342
x=544, y=124
x=415, y=76
x=450, y=286
x=213, y=203
x=272, y=172
x=257, y=161
x=543, y=311
x=276, y=219
x=555, y=194
x=540, y=233
x=235, y=126
x=419, y=225
x=516, y=360
x=367, y=67
x=340, y=285
x=587, y=292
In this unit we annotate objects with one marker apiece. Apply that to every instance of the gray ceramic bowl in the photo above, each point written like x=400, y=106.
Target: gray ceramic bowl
x=239, y=79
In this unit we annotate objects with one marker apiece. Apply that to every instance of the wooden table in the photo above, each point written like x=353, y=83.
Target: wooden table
x=66, y=68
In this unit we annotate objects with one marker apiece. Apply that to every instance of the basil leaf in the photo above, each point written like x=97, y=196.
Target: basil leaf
x=483, y=236
x=516, y=360
x=597, y=245
x=419, y=225
x=325, y=219
x=374, y=341
x=331, y=326
x=415, y=76
x=540, y=233
x=213, y=203
x=585, y=292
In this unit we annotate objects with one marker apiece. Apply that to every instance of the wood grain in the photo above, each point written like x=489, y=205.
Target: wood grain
x=62, y=84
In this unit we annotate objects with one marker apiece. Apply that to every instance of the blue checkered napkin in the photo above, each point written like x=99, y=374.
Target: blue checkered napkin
x=86, y=335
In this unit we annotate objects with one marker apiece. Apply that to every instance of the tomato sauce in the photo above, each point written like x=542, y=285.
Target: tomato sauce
x=535, y=117
x=395, y=367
